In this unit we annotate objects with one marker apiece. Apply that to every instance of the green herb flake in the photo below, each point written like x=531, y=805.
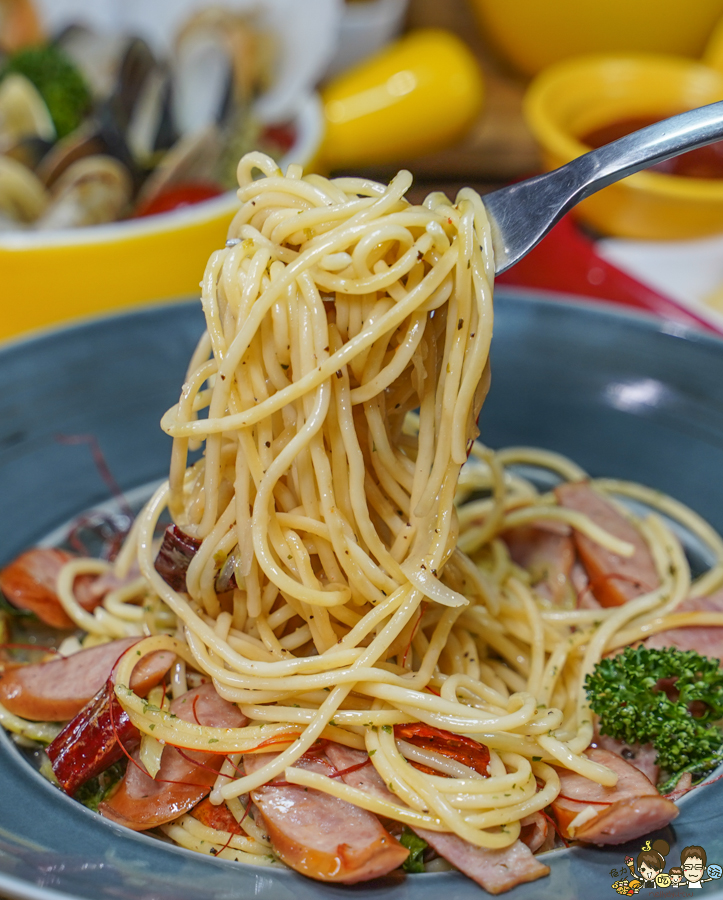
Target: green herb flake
x=96, y=790
x=414, y=863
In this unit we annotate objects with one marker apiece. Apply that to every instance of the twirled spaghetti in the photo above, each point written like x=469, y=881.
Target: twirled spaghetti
x=348, y=579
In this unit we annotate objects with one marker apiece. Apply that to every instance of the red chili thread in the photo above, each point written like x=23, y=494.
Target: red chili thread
x=681, y=792
x=30, y=647
x=342, y=772
x=130, y=758
x=100, y=462
x=555, y=828
x=195, y=762
x=193, y=709
x=588, y=802
x=219, y=852
x=277, y=739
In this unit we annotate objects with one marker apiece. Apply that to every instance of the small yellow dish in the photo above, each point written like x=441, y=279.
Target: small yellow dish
x=46, y=278
x=577, y=96
x=533, y=34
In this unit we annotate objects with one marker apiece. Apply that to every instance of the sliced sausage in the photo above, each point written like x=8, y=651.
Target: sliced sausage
x=548, y=555
x=613, y=579
x=705, y=639
x=630, y=809
x=29, y=582
x=494, y=870
x=536, y=833
x=642, y=756
x=322, y=836
x=57, y=690
x=185, y=777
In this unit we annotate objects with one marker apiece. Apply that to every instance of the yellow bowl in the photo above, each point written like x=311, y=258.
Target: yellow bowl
x=46, y=278
x=533, y=34
x=577, y=96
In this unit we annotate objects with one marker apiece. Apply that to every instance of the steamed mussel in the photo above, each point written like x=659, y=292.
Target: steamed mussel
x=96, y=128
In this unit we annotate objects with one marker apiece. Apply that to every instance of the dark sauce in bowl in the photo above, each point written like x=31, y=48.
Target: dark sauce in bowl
x=705, y=162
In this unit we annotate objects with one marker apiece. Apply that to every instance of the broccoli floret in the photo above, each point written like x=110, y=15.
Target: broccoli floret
x=58, y=81
x=626, y=693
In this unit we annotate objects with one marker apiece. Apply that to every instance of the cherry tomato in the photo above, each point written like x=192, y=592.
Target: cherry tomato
x=177, y=196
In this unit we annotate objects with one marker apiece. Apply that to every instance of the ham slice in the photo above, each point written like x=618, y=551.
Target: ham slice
x=57, y=690
x=321, y=836
x=29, y=583
x=548, y=555
x=185, y=777
x=706, y=640
x=494, y=870
x=613, y=579
x=631, y=809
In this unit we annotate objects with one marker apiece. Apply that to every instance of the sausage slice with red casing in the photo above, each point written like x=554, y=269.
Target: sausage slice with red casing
x=185, y=776
x=322, y=836
x=29, y=583
x=614, y=579
x=494, y=870
x=631, y=809
x=57, y=690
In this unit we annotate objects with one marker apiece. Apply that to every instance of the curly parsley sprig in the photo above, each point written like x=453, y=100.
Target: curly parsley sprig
x=628, y=693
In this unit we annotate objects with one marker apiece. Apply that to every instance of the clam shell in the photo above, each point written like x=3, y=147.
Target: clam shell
x=22, y=195
x=91, y=191
x=23, y=112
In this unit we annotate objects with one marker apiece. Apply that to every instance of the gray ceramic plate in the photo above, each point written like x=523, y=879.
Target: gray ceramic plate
x=624, y=396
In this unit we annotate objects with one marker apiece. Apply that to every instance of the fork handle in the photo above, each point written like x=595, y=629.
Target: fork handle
x=521, y=214
x=645, y=148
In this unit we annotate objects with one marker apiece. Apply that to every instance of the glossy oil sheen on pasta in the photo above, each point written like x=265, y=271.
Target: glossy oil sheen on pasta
x=348, y=579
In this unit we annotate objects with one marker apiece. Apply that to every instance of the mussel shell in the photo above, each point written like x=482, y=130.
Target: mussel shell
x=98, y=56
x=150, y=129
x=221, y=62
x=97, y=136
x=29, y=151
x=136, y=66
x=194, y=158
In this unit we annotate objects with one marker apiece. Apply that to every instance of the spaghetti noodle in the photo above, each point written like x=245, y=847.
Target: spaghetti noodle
x=350, y=576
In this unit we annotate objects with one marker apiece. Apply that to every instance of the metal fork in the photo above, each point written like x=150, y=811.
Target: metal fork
x=521, y=214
